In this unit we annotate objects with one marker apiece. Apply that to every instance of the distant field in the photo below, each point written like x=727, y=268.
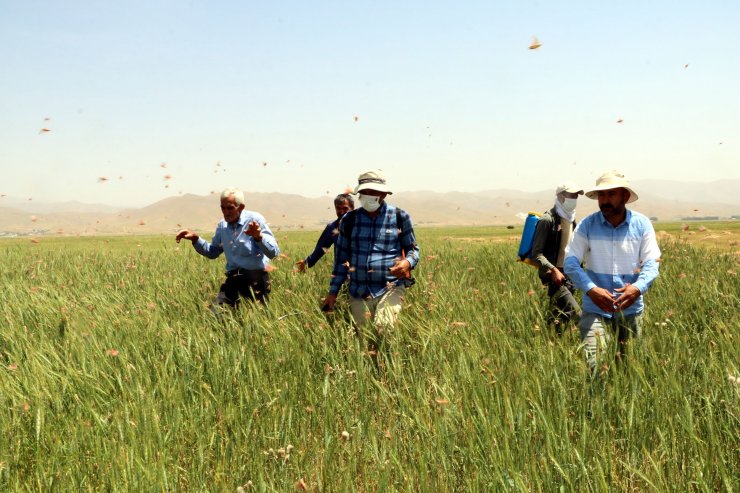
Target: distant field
x=723, y=235
x=115, y=376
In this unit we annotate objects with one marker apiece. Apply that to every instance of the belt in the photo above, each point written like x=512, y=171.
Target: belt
x=243, y=272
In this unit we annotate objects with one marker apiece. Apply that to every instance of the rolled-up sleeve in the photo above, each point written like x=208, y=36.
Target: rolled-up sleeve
x=538, y=245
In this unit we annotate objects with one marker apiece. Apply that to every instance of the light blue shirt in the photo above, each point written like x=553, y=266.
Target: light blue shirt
x=613, y=257
x=240, y=249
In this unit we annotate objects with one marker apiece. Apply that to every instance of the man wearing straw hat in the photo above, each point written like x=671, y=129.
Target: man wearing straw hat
x=620, y=253
x=552, y=234
x=377, y=250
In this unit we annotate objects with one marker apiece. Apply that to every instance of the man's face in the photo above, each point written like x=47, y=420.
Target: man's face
x=611, y=202
x=342, y=208
x=230, y=209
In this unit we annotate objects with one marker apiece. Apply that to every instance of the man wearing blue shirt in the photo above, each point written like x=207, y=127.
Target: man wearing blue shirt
x=248, y=244
x=377, y=249
x=343, y=203
x=620, y=254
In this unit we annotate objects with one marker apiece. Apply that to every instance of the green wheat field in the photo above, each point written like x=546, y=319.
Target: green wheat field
x=115, y=376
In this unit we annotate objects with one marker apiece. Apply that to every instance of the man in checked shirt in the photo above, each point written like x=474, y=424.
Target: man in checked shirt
x=621, y=255
x=377, y=250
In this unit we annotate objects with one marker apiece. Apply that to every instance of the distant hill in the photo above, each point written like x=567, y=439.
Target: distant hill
x=37, y=207
x=665, y=200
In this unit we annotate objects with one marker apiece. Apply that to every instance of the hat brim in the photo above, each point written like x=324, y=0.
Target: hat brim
x=378, y=187
x=594, y=194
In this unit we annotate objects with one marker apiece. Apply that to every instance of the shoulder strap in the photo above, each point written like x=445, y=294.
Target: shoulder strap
x=554, y=220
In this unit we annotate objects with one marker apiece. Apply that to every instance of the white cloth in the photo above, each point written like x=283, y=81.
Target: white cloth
x=570, y=216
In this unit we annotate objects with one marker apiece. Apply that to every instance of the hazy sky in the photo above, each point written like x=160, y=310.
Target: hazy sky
x=447, y=95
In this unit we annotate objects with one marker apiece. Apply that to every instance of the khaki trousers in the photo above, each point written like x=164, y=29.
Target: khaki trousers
x=377, y=313
x=595, y=335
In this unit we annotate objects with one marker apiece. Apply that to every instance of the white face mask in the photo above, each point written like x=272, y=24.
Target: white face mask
x=569, y=205
x=369, y=202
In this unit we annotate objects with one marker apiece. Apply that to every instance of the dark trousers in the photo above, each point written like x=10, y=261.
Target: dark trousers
x=252, y=285
x=563, y=305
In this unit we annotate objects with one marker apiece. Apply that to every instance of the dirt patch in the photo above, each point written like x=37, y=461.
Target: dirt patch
x=724, y=240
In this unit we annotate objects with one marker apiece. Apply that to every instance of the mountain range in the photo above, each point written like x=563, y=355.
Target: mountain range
x=661, y=199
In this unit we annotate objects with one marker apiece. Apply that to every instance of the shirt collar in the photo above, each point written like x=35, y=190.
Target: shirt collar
x=239, y=222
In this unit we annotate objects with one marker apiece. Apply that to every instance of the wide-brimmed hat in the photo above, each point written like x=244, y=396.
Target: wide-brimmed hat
x=372, y=180
x=609, y=181
x=568, y=187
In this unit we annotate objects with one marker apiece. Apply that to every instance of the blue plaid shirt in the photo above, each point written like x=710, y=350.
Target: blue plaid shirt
x=373, y=249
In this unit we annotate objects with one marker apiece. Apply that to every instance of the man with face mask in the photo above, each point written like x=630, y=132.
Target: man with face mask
x=551, y=236
x=621, y=257
x=377, y=250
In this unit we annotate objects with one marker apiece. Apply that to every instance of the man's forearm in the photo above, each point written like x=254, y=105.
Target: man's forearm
x=648, y=274
x=577, y=275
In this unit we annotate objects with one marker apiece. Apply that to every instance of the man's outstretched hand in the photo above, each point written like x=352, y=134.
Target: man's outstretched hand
x=186, y=234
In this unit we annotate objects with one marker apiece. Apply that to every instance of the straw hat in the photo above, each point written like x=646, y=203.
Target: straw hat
x=609, y=181
x=372, y=180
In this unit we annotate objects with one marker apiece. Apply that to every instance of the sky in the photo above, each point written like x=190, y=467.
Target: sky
x=127, y=103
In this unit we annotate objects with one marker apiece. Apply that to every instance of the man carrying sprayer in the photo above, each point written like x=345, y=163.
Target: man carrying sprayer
x=377, y=249
x=621, y=257
x=343, y=203
x=248, y=244
x=552, y=234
